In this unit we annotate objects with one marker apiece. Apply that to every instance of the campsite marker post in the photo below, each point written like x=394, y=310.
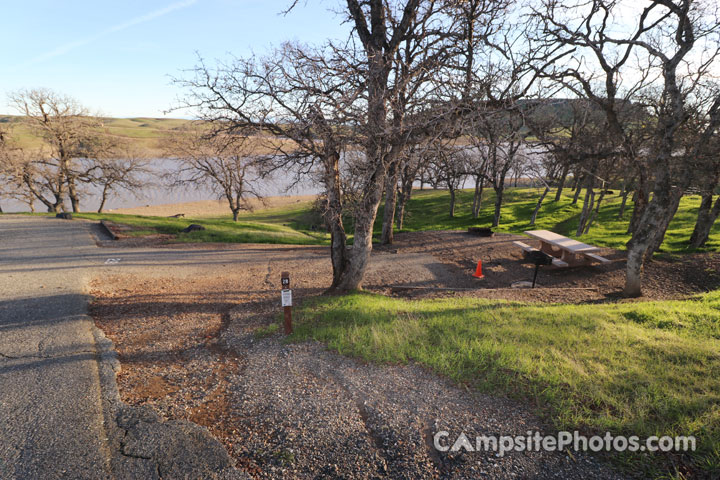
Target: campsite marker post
x=286, y=299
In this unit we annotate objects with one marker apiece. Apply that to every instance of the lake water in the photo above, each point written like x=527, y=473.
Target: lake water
x=276, y=185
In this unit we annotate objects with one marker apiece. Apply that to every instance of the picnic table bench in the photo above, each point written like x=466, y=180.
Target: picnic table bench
x=565, y=251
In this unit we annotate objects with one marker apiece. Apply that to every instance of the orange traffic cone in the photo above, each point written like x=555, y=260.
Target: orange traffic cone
x=478, y=271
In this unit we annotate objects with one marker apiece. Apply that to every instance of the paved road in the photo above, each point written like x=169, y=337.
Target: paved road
x=51, y=419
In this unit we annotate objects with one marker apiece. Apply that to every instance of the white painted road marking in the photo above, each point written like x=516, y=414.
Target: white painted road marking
x=112, y=261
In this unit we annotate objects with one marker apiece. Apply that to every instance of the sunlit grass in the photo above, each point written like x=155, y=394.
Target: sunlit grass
x=650, y=368
x=429, y=210
x=216, y=229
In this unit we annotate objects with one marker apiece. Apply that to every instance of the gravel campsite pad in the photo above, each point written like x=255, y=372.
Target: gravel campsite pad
x=188, y=342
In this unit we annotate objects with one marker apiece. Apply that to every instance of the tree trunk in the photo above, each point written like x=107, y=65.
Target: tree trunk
x=641, y=201
x=659, y=234
x=59, y=204
x=539, y=204
x=595, y=212
x=350, y=278
x=577, y=193
x=400, y=213
x=386, y=238
x=477, y=198
x=405, y=195
x=650, y=229
x=72, y=193
x=235, y=214
x=625, y=194
x=103, y=199
x=586, y=211
x=452, y=202
x=576, y=182
x=587, y=204
x=600, y=199
x=333, y=219
x=498, y=204
x=561, y=183
x=707, y=215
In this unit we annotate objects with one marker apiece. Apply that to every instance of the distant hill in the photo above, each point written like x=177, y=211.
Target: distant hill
x=144, y=132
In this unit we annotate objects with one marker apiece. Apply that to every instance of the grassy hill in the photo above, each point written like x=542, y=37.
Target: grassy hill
x=143, y=132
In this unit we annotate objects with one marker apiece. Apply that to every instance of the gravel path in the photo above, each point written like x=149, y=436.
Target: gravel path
x=184, y=330
x=305, y=412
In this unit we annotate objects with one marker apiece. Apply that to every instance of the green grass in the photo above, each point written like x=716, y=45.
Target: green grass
x=143, y=132
x=428, y=210
x=644, y=369
x=217, y=229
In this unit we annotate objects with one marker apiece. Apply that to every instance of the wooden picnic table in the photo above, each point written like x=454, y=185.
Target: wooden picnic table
x=566, y=249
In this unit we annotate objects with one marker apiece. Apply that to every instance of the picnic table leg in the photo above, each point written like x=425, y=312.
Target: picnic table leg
x=573, y=259
x=547, y=248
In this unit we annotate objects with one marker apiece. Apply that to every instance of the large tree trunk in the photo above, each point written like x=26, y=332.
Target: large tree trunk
x=707, y=215
x=333, y=219
x=351, y=274
x=641, y=200
x=659, y=234
x=561, y=182
x=386, y=237
x=477, y=198
x=539, y=204
x=350, y=278
x=650, y=231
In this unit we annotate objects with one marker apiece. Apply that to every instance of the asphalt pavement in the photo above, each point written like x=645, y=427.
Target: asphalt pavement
x=51, y=419
x=60, y=414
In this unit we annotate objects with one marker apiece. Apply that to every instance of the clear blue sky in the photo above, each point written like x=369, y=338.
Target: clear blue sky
x=116, y=57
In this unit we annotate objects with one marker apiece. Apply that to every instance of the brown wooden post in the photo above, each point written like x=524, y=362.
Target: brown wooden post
x=286, y=295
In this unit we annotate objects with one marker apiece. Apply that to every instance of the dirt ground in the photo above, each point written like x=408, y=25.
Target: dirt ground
x=210, y=208
x=186, y=341
x=503, y=265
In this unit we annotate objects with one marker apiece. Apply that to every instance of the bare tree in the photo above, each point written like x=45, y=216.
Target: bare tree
x=660, y=44
x=448, y=167
x=227, y=163
x=323, y=101
x=125, y=168
x=498, y=138
x=413, y=165
x=302, y=99
x=703, y=141
x=69, y=135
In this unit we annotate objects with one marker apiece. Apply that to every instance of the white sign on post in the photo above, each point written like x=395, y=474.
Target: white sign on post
x=286, y=296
